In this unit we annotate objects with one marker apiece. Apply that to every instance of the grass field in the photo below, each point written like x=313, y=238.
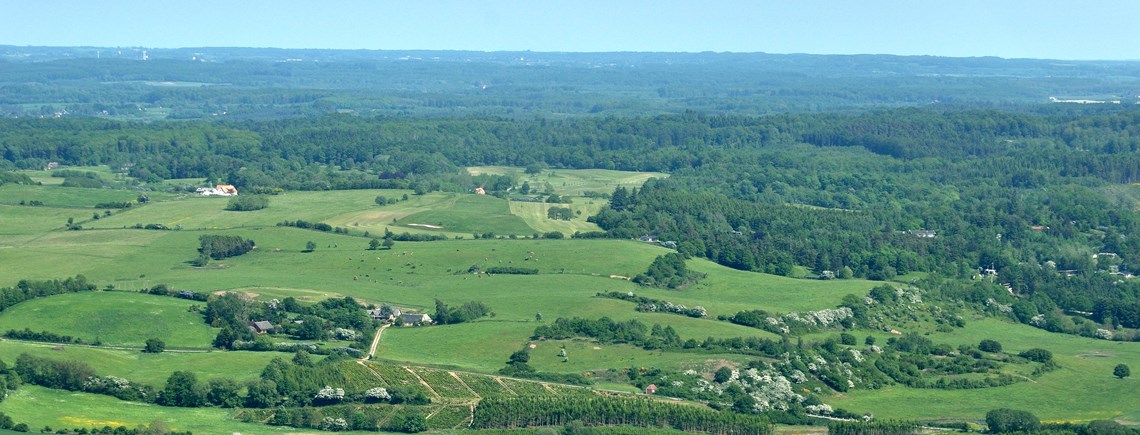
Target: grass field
x=535, y=215
x=39, y=407
x=152, y=369
x=463, y=213
x=573, y=182
x=114, y=318
x=1082, y=389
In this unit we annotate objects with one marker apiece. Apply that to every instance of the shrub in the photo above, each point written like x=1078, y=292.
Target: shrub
x=247, y=203
x=1037, y=354
x=1005, y=420
x=988, y=345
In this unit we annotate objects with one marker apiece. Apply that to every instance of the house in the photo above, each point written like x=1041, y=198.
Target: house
x=925, y=234
x=480, y=191
x=1039, y=227
x=652, y=388
x=379, y=314
x=410, y=319
x=219, y=190
x=261, y=326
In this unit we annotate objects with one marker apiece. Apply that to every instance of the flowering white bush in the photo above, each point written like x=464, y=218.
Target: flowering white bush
x=1038, y=320
x=330, y=393
x=857, y=355
x=344, y=334
x=1104, y=333
x=1000, y=306
x=334, y=424
x=876, y=349
x=377, y=393
x=820, y=409
x=798, y=377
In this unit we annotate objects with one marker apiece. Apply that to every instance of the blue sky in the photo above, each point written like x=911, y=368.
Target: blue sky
x=1057, y=29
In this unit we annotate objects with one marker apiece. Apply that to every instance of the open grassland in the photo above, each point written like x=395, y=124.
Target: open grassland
x=114, y=318
x=466, y=213
x=535, y=215
x=1082, y=389
x=39, y=407
x=202, y=212
x=70, y=197
x=585, y=355
x=727, y=291
x=573, y=182
x=151, y=369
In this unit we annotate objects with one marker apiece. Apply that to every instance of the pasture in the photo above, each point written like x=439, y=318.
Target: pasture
x=1085, y=373
x=151, y=369
x=41, y=407
x=573, y=182
x=114, y=319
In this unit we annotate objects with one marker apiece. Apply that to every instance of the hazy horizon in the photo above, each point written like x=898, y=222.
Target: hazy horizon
x=1062, y=30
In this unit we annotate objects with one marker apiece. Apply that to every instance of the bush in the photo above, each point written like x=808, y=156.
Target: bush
x=1011, y=420
x=991, y=346
x=1037, y=354
x=247, y=203
x=154, y=345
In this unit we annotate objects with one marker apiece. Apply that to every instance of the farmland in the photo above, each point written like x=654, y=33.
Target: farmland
x=439, y=361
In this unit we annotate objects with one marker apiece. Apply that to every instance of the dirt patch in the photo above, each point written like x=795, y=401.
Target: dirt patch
x=433, y=227
x=597, y=348
x=246, y=295
x=1096, y=355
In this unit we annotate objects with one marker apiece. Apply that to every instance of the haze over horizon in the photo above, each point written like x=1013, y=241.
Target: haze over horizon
x=1063, y=29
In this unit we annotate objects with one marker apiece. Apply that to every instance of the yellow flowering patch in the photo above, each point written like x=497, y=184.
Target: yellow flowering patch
x=91, y=422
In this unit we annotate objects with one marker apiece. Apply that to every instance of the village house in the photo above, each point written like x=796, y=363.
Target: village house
x=261, y=327
x=379, y=314
x=925, y=234
x=652, y=388
x=411, y=319
x=218, y=190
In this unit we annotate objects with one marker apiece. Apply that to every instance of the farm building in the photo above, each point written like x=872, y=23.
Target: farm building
x=261, y=327
x=410, y=319
x=219, y=190
x=652, y=388
x=379, y=314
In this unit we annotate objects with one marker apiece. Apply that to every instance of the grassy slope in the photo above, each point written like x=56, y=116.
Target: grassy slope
x=535, y=215
x=464, y=213
x=1082, y=389
x=152, y=369
x=115, y=318
x=41, y=407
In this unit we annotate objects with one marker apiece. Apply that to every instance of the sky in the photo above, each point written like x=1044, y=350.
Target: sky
x=1052, y=29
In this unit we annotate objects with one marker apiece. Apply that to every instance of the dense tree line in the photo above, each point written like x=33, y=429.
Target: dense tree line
x=668, y=271
x=218, y=247
x=549, y=411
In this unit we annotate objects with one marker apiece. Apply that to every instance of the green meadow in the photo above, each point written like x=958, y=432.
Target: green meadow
x=151, y=369
x=58, y=409
x=1082, y=389
x=114, y=319
x=573, y=182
